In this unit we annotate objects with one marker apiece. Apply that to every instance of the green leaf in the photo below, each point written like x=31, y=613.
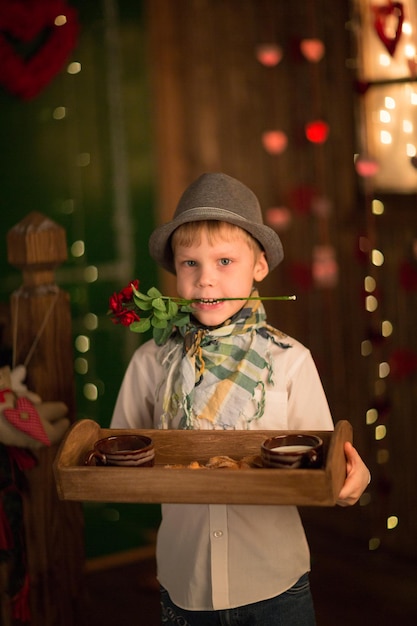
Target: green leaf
x=143, y=305
x=157, y=323
x=142, y=326
x=141, y=296
x=161, y=335
x=186, y=308
x=161, y=315
x=158, y=304
x=181, y=320
x=172, y=308
x=153, y=293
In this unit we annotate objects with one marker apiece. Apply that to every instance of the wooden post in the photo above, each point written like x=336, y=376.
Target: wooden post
x=41, y=327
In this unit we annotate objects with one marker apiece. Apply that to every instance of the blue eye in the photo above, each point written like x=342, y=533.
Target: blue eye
x=225, y=261
x=190, y=263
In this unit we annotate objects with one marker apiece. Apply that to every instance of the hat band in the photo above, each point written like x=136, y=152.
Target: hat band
x=219, y=213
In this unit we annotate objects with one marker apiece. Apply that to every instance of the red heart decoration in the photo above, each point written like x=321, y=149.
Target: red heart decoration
x=312, y=49
x=274, y=141
x=393, y=10
x=26, y=419
x=33, y=22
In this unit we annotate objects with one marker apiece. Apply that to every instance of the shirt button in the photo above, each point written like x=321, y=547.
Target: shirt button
x=218, y=533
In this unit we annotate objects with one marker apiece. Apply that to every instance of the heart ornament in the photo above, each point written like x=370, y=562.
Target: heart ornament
x=36, y=38
x=312, y=49
x=388, y=24
x=25, y=418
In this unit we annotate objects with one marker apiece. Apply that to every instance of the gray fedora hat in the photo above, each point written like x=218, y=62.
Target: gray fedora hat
x=217, y=196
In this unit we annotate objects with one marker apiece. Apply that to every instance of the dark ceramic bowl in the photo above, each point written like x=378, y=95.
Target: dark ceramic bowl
x=122, y=450
x=292, y=452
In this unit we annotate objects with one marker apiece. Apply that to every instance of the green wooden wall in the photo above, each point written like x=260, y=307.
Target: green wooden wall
x=80, y=153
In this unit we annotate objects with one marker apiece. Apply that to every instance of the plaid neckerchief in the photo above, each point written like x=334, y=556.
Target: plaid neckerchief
x=216, y=377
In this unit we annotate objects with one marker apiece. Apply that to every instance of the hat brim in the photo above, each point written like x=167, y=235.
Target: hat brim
x=160, y=246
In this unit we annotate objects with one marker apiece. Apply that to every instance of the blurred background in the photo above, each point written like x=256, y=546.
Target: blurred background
x=311, y=103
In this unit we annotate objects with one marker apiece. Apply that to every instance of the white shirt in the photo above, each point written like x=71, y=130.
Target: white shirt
x=212, y=557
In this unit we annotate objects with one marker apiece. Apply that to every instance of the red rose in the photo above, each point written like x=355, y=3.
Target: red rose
x=126, y=294
x=115, y=303
x=126, y=318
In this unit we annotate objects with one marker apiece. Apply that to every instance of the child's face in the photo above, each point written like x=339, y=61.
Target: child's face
x=224, y=268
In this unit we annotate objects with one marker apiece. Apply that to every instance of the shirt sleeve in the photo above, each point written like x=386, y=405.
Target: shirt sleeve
x=307, y=402
x=135, y=402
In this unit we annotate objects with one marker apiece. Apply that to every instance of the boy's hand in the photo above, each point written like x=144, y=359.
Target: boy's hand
x=357, y=478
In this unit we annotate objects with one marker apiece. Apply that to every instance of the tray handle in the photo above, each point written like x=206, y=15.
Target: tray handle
x=336, y=460
x=79, y=439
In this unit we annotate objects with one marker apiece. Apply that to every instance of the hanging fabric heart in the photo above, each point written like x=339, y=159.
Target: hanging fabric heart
x=26, y=418
x=388, y=23
x=36, y=38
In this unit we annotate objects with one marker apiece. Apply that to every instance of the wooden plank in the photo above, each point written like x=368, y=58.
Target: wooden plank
x=36, y=246
x=318, y=487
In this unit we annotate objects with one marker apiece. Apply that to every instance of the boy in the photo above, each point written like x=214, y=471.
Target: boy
x=228, y=564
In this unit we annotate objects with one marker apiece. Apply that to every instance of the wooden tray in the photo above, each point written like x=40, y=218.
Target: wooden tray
x=301, y=487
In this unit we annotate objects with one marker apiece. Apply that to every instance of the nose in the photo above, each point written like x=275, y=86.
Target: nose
x=205, y=277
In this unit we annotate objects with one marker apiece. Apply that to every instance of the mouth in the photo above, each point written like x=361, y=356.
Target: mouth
x=207, y=301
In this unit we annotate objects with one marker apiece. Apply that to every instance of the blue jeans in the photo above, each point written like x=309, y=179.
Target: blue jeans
x=291, y=608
